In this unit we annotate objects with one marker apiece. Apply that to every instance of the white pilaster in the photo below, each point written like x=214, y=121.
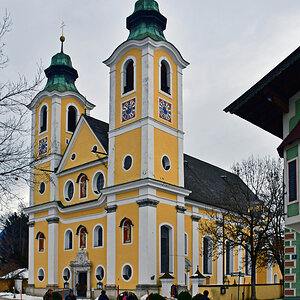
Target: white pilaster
x=31, y=251
x=147, y=81
x=53, y=178
x=220, y=262
x=180, y=246
x=112, y=98
x=111, y=162
x=55, y=125
x=147, y=242
x=111, y=245
x=31, y=190
x=240, y=261
x=180, y=98
x=53, y=250
x=180, y=162
x=195, y=243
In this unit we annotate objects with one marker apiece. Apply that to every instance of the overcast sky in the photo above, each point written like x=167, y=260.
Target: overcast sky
x=230, y=46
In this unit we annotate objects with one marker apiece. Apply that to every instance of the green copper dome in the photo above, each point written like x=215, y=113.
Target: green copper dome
x=146, y=21
x=61, y=74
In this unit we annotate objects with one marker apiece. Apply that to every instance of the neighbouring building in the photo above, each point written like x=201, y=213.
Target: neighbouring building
x=120, y=203
x=273, y=104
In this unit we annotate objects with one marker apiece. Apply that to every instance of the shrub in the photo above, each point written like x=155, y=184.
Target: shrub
x=184, y=296
x=56, y=296
x=156, y=297
x=197, y=297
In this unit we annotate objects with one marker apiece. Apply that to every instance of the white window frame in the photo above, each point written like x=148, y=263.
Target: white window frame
x=40, y=187
x=103, y=270
x=70, y=230
x=70, y=279
x=161, y=161
x=41, y=269
x=124, y=161
x=131, y=232
x=171, y=247
x=123, y=269
x=170, y=77
x=38, y=239
x=95, y=236
x=67, y=117
x=86, y=239
x=66, y=192
x=123, y=76
x=40, y=119
x=87, y=188
x=232, y=256
x=94, y=182
x=186, y=244
x=210, y=259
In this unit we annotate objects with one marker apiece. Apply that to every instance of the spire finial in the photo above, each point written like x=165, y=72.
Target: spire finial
x=62, y=38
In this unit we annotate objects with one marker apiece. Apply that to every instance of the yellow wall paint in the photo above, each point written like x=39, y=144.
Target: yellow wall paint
x=41, y=258
x=96, y=255
x=41, y=214
x=128, y=143
x=157, y=55
x=64, y=134
x=127, y=253
x=41, y=176
x=137, y=94
x=165, y=144
x=82, y=148
x=127, y=195
x=89, y=172
x=48, y=131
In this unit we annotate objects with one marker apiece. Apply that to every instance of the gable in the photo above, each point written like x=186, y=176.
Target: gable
x=79, y=151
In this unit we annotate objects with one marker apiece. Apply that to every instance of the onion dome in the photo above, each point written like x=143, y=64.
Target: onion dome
x=61, y=74
x=146, y=21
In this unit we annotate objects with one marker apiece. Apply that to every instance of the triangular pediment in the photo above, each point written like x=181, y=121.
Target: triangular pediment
x=88, y=143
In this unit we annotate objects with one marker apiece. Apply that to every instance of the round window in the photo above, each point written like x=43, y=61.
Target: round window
x=42, y=188
x=41, y=274
x=69, y=190
x=127, y=162
x=127, y=272
x=66, y=274
x=73, y=156
x=98, y=182
x=99, y=273
x=166, y=163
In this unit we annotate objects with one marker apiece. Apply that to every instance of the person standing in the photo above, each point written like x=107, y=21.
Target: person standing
x=103, y=296
x=48, y=295
x=205, y=295
x=71, y=295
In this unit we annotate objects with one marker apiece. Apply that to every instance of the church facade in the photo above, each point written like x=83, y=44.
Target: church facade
x=119, y=204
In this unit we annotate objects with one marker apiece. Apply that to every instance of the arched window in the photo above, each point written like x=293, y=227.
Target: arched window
x=126, y=225
x=229, y=249
x=128, y=76
x=275, y=278
x=68, y=240
x=41, y=241
x=166, y=250
x=43, y=119
x=72, y=118
x=98, y=236
x=165, y=77
x=207, y=255
x=83, y=187
x=82, y=233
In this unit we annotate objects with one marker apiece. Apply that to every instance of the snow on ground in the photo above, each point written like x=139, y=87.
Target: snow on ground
x=18, y=296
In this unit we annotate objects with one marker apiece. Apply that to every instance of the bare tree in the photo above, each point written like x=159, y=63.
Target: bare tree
x=250, y=214
x=14, y=124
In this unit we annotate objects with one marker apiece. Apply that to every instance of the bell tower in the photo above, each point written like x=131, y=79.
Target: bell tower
x=145, y=164
x=55, y=112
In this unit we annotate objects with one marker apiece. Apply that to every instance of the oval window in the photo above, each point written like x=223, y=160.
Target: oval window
x=166, y=163
x=127, y=162
x=73, y=156
x=127, y=272
x=69, y=190
x=99, y=273
x=98, y=182
x=41, y=274
x=66, y=274
x=42, y=188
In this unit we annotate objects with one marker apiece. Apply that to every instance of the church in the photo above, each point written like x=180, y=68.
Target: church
x=118, y=205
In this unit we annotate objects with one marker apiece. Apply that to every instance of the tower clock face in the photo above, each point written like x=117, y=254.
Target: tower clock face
x=165, y=110
x=128, y=110
x=43, y=146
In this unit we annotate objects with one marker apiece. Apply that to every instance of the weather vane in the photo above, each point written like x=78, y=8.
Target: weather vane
x=62, y=38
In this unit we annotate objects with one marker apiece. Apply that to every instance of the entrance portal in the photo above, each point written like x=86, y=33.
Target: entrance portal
x=82, y=284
